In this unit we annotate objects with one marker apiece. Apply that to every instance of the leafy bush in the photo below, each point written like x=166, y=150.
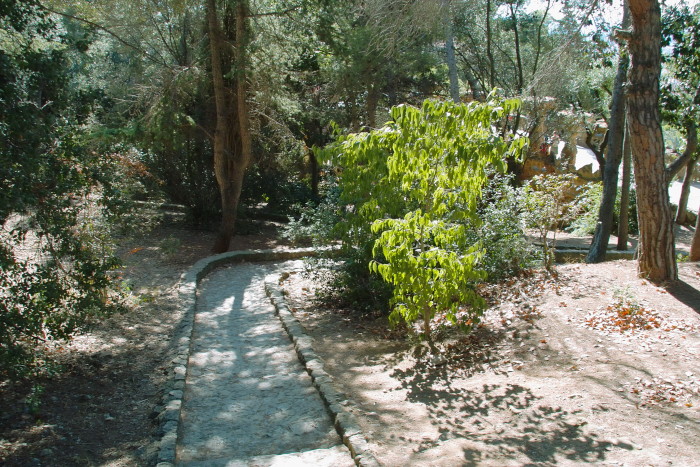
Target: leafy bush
x=589, y=203
x=500, y=230
x=315, y=222
x=407, y=190
x=282, y=192
x=549, y=203
x=58, y=201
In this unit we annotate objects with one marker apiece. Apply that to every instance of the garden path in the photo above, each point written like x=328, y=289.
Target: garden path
x=248, y=401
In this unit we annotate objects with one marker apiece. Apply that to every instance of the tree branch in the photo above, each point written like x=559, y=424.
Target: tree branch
x=275, y=13
x=690, y=148
x=598, y=151
x=108, y=31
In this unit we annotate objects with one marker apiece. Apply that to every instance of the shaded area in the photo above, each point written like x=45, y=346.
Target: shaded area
x=99, y=408
x=479, y=415
x=685, y=293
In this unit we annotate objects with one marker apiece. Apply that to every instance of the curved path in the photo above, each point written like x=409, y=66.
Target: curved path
x=247, y=398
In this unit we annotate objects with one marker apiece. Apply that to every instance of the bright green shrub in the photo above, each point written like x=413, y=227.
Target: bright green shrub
x=407, y=190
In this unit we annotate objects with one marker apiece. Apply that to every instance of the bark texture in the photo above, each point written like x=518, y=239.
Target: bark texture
x=695, y=247
x=232, y=139
x=624, y=225
x=682, y=214
x=656, y=249
x=611, y=166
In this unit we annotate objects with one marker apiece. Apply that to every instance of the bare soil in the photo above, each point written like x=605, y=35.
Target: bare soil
x=549, y=378
x=99, y=410
x=591, y=365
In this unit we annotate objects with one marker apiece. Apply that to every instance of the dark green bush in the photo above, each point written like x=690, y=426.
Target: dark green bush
x=500, y=229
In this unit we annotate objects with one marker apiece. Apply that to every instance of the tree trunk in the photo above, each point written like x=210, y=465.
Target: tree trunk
x=232, y=141
x=477, y=91
x=315, y=175
x=520, y=78
x=538, y=48
x=489, y=47
x=611, y=168
x=691, y=131
x=450, y=52
x=695, y=247
x=623, y=228
x=690, y=148
x=682, y=214
x=656, y=249
x=372, y=103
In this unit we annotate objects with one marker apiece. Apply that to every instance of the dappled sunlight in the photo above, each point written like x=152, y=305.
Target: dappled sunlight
x=475, y=416
x=246, y=393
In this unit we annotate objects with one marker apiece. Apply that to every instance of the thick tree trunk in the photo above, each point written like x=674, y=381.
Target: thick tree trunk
x=656, y=250
x=623, y=228
x=232, y=143
x=611, y=168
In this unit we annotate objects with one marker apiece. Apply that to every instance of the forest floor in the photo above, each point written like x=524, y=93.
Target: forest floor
x=550, y=377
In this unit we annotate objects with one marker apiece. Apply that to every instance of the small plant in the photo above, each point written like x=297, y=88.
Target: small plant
x=33, y=399
x=314, y=226
x=170, y=245
x=549, y=203
x=624, y=314
x=499, y=228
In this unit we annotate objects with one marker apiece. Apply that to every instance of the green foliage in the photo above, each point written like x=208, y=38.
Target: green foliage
x=500, y=230
x=280, y=190
x=588, y=201
x=550, y=203
x=58, y=199
x=681, y=40
x=407, y=189
x=315, y=223
x=170, y=246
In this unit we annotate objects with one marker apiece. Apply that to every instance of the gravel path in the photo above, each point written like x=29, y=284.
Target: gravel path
x=247, y=400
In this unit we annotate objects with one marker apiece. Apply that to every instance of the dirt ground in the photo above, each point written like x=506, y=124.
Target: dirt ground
x=546, y=380
x=591, y=366
x=100, y=409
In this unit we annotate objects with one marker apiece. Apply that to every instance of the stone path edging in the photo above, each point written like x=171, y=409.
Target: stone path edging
x=344, y=421
x=168, y=413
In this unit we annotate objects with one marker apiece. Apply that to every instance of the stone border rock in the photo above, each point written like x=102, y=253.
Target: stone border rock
x=168, y=413
x=336, y=403
x=576, y=255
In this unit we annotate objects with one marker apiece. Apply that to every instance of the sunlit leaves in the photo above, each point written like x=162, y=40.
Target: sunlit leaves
x=410, y=185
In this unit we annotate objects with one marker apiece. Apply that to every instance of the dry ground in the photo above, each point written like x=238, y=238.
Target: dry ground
x=536, y=385
x=100, y=409
x=560, y=373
